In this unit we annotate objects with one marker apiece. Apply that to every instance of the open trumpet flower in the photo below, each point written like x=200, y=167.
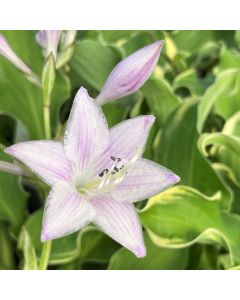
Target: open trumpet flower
x=96, y=174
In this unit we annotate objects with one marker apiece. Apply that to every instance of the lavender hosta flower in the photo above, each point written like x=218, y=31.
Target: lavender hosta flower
x=8, y=53
x=49, y=40
x=96, y=174
x=131, y=73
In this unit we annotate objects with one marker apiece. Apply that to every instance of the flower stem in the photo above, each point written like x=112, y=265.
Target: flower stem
x=47, y=121
x=48, y=80
x=46, y=251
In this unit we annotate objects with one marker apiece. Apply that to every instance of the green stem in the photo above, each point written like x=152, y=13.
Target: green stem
x=46, y=251
x=47, y=120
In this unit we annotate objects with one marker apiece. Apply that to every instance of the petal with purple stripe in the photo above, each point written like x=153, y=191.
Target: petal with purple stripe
x=87, y=132
x=120, y=222
x=127, y=140
x=45, y=158
x=143, y=180
x=65, y=212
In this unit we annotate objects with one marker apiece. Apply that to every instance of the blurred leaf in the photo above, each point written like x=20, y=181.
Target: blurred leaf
x=160, y=98
x=12, y=197
x=116, y=36
x=231, y=129
x=138, y=41
x=29, y=254
x=229, y=58
x=6, y=248
x=190, y=80
x=96, y=245
x=178, y=152
x=93, y=62
x=237, y=38
x=224, y=93
x=230, y=142
x=193, y=40
x=156, y=259
x=182, y=216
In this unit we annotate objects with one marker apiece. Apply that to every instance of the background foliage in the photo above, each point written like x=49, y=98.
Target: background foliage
x=194, y=94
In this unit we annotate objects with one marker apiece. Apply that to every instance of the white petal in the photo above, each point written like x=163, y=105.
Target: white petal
x=87, y=133
x=131, y=73
x=65, y=212
x=142, y=181
x=121, y=223
x=44, y=158
x=127, y=140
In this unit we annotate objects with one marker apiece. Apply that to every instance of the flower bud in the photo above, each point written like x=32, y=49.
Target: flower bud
x=131, y=73
x=49, y=40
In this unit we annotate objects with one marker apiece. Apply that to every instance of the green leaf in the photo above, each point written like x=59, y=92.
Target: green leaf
x=237, y=38
x=156, y=259
x=160, y=98
x=190, y=80
x=12, y=198
x=224, y=93
x=7, y=261
x=232, y=143
x=182, y=216
x=29, y=254
x=229, y=58
x=95, y=245
x=231, y=129
x=117, y=36
x=178, y=151
x=92, y=63
x=193, y=40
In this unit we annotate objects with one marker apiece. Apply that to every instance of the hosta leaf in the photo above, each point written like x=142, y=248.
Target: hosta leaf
x=160, y=98
x=12, y=197
x=230, y=142
x=229, y=58
x=92, y=63
x=223, y=93
x=229, y=158
x=178, y=151
x=157, y=258
x=116, y=36
x=192, y=40
x=95, y=245
x=29, y=254
x=237, y=38
x=7, y=261
x=190, y=80
x=182, y=216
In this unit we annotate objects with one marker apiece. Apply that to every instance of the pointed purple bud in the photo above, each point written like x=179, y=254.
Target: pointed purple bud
x=49, y=40
x=131, y=73
x=8, y=53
